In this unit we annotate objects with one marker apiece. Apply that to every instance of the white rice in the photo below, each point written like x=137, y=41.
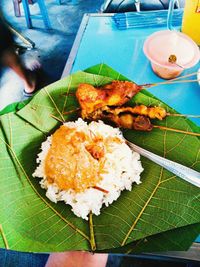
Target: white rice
x=122, y=165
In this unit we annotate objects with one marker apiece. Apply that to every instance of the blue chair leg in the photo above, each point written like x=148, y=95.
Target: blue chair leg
x=44, y=13
x=27, y=13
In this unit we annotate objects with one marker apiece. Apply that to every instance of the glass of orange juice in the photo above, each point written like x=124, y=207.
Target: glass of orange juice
x=191, y=20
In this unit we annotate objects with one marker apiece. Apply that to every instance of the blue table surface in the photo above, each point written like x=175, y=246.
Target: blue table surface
x=122, y=50
x=103, y=42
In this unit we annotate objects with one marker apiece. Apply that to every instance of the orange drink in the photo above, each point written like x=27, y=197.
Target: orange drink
x=191, y=20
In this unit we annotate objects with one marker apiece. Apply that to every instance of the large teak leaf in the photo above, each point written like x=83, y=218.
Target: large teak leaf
x=30, y=222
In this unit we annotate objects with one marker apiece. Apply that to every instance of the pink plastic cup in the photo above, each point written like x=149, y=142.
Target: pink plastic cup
x=159, y=46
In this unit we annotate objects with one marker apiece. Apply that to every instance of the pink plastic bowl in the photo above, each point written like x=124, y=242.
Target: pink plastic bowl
x=160, y=45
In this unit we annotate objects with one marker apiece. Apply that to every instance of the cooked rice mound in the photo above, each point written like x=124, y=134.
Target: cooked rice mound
x=86, y=166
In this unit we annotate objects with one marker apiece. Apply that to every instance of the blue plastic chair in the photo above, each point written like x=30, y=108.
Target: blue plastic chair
x=43, y=11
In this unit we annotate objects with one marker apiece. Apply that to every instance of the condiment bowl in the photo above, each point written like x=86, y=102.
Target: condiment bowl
x=162, y=46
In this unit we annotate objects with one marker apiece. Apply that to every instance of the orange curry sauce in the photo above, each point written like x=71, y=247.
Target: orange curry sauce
x=75, y=160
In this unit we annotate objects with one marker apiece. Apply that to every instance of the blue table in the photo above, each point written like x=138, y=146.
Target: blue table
x=100, y=41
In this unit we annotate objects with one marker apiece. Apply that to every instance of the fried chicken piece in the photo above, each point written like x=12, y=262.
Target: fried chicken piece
x=89, y=98
x=116, y=93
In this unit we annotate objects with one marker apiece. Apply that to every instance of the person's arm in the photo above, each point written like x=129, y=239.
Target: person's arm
x=77, y=259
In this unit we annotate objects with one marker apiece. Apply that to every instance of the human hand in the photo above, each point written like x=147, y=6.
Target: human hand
x=77, y=259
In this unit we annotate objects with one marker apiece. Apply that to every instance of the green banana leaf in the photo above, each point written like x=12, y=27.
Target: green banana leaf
x=179, y=239
x=163, y=202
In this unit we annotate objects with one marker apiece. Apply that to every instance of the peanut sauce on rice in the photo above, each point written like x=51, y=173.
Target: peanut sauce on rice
x=75, y=159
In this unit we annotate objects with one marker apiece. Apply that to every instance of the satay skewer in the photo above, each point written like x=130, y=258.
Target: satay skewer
x=171, y=81
x=128, y=108
x=107, y=103
x=155, y=112
x=153, y=126
x=150, y=85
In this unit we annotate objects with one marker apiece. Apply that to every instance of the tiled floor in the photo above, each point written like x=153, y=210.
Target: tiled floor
x=52, y=46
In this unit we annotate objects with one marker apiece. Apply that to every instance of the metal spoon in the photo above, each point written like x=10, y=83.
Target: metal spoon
x=183, y=172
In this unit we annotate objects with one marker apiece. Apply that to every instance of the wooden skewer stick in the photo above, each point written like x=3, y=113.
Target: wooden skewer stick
x=71, y=111
x=183, y=115
x=184, y=76
x=169, y=82
x=175, y=80
x=175, y=130
x=69, y=93
x=182, y=81
x=56, y=118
